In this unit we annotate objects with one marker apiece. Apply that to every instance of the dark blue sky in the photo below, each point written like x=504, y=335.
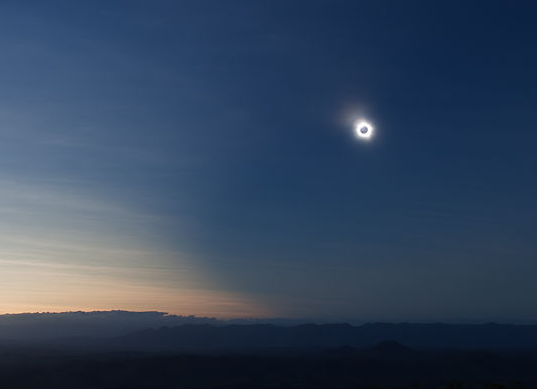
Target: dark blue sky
x=202, y=153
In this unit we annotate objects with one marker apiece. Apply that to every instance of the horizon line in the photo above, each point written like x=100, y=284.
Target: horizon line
x=353, y=322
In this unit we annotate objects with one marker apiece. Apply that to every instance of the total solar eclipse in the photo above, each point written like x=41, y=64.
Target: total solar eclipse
x=363, y=129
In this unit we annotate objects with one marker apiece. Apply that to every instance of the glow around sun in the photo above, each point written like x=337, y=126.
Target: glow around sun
x=363, y=129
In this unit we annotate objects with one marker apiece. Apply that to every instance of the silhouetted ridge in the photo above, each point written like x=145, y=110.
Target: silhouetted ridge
x=207, y=336
x=389, y=346
x=159, y=330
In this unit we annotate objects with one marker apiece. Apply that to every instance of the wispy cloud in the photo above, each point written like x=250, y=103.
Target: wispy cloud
x=64, y=250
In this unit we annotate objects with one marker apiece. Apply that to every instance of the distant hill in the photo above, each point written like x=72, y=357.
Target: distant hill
x=203, y=337
x=49, y=325
x=97, y=323
x=159, y=331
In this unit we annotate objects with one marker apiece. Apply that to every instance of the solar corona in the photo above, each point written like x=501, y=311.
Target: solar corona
x=363, y=129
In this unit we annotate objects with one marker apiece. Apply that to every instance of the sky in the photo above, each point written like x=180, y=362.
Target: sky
x=198, y=157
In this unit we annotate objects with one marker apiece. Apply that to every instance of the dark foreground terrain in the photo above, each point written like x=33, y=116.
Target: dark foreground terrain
x=388, y=365
x=134, y=350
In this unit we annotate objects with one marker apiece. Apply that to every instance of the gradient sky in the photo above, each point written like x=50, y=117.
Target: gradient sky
x=197, y=157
